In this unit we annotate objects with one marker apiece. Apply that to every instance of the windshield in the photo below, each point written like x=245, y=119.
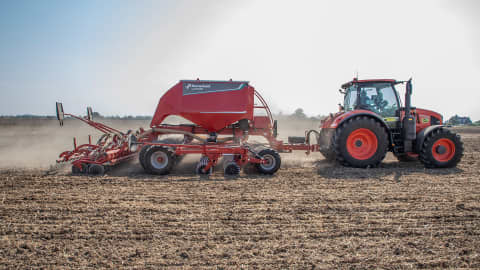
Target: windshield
x=380, y=98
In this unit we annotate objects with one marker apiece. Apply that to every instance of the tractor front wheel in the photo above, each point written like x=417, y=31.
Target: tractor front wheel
x=441, y=149
x=360, y=142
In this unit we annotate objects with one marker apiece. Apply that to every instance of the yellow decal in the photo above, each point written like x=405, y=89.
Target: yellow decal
x=391, y=119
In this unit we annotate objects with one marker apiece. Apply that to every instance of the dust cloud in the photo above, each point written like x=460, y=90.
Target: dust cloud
x=36, y=143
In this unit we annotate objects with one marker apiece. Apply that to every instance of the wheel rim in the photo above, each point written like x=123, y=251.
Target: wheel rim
x=270, y=162
x=159, y=160
x=362, y=144
x=443, y=150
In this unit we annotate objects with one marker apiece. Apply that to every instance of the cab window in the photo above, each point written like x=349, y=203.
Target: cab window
x=386, y=101
x=350, y=98
x=376, y=97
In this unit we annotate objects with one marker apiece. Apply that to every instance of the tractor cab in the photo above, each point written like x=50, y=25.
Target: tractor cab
x=378, y=96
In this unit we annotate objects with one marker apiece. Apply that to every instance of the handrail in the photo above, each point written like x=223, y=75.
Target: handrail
x=265, y=106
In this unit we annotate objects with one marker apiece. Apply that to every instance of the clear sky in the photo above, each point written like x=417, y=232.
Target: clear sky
x=121, y=56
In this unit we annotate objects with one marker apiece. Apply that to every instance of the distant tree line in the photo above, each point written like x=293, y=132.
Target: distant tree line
x=96, y=115
x=460, y=120
x=29, y=116
x=299, y=114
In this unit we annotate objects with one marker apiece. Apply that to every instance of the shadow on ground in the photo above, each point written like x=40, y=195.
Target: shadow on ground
x=184, y=171
x=332, y=170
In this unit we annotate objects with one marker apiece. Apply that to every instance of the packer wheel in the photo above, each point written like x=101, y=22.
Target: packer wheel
x=96, y=169
x=231, y=168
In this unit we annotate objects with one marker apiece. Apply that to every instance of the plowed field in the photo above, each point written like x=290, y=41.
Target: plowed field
x=311, y=214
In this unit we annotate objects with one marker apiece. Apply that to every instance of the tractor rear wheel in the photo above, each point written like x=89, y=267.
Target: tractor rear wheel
x=360, y=142
x=441, y=149
x=159, y=160
x=328, y=152
x=273, y=161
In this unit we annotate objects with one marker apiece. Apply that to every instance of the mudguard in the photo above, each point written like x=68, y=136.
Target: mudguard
x=423, y=134
x=377, y=117
x=334, y=121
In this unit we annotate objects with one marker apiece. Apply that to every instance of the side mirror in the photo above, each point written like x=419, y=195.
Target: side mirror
x=89, y=113
x=60, y=113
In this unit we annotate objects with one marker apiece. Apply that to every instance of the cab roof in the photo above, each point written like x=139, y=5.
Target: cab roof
x=355, y=80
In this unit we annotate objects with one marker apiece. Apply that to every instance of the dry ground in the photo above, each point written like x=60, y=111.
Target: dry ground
x=311, y=214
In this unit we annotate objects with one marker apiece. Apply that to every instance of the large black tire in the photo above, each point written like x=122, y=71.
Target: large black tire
x=177, y=158
x=141, y=156
x=159, y=160
x=274, y=161
x=143, y=151
x=77, y=171
x=441, y=149
x=327, y=152
x=231, y=168
x=96, y=169
x=360, y=142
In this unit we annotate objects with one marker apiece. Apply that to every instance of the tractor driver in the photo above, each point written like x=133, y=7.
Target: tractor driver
x=379, y=102
x=365, y=102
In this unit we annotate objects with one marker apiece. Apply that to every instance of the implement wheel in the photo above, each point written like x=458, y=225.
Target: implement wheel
x=96, y=169
x=141, y=156
x=273, y=161
x=231, y=168
x=77, y=171
x=360, y=142
x=441, y=149
x=159, y=160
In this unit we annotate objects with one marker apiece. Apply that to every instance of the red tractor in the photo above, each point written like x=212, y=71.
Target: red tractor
x=373, y=121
